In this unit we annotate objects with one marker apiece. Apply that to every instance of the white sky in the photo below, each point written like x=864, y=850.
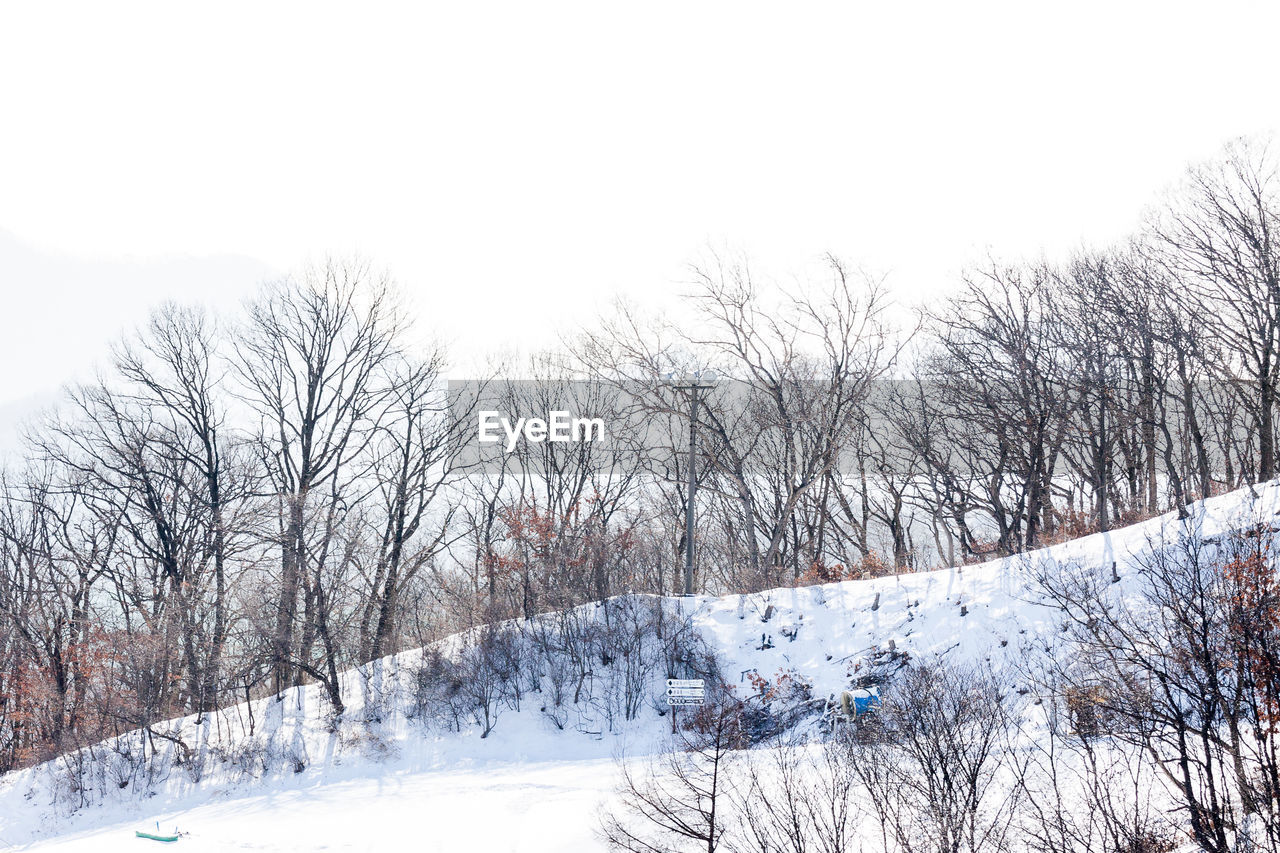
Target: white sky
x=516, y=165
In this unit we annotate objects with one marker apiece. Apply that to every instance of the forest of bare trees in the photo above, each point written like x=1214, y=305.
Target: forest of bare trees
x=238, y=504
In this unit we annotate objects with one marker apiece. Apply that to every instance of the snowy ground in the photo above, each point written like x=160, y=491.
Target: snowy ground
x=524, y=788
x=530, y=787
x=528, y=807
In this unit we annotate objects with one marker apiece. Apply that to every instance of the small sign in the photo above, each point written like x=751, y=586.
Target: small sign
x=686, y=691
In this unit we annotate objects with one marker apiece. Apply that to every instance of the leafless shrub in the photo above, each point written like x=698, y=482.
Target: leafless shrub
x=933, y=761
x=678, y=801
x=797, y=797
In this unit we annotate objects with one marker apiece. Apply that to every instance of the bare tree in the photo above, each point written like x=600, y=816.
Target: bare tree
x=53, y=555
x=797, y=797
x=312, y=359
x=415, y=457
x=998, y=405
x=679, y=801
x=1185, y=667
x=174, y=367
x=1220, y=234
x=931, y=761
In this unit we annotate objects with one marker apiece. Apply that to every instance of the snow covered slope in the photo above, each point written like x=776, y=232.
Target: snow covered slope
x=529, y=785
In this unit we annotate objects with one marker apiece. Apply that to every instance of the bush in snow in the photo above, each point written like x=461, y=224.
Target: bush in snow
x=931, y=757
x=1185, y=667
x=678, y=801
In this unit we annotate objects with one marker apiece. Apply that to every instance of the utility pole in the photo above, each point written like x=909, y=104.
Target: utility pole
x=701, y=380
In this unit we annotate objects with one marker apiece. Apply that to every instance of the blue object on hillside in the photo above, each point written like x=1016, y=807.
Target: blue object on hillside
x=864, y=700
x=855, y=703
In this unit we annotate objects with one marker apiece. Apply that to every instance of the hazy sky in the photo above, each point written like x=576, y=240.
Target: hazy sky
x=516, y=165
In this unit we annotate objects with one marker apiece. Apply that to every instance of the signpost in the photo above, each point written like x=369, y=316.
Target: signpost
x=685, y=691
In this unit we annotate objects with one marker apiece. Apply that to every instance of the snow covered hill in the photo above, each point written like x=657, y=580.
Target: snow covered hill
x=284, y=775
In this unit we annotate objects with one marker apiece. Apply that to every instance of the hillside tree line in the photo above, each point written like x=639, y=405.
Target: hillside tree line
x=241, y=504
